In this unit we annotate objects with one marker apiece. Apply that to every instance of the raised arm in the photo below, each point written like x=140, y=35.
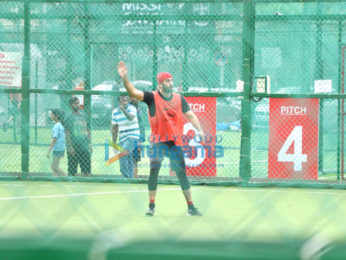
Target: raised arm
x=133, y=92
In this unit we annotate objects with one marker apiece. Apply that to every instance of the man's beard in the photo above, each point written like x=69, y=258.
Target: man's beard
x=168, y=90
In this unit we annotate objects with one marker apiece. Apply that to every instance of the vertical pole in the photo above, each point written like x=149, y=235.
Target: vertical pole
x=319, y=75
x=87, y=62
x=340, y=136
x=185, y=84
x=36, y=86
x=69, y=71
x=155, y=55
x=247, y=73
x=25, y=106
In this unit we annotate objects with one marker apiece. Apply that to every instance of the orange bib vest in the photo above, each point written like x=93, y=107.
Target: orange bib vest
x=167, y=123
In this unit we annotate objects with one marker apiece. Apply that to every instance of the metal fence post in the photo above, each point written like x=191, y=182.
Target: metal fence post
x=340, y=112
x=247, y=72
x=87, y=62
x=25, y=106
x=319, y=75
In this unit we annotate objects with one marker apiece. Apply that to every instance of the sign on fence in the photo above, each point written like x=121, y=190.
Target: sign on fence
x=10, y=69
x=293, y=138
x=202, y=160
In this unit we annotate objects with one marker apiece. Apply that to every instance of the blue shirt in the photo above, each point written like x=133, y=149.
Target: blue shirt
x=59, y=134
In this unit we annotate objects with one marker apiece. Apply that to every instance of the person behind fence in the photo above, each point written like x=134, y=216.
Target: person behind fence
x=58, y=141
x=166, y=111
x=78, y=140
x=14, y=111
x=125, y=124
x=136, y=154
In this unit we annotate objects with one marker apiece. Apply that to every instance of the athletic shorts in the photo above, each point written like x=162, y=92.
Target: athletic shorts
x=58, y=153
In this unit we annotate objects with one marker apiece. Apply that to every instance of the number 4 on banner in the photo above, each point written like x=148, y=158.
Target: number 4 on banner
x=297, y=157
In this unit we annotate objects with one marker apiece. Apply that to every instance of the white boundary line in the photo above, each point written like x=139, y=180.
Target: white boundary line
x=80, y=194
x=62, y=184
x=169, y=189
x=12, y=185
x=80, y=186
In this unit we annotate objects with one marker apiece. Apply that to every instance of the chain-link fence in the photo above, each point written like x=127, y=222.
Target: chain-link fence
x=265, y=81
x=231, y=60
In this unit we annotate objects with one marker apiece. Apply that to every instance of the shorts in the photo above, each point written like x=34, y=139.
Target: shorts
x=58, y=153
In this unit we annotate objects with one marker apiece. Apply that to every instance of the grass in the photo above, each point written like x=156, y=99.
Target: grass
x=228, y=165
x=39, y=163
x=86, y=209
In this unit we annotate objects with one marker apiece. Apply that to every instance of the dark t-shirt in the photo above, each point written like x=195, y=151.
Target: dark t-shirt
x=76, y=125
x=149, y=100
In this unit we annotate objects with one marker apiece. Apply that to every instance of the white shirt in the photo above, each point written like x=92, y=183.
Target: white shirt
x=126, y=128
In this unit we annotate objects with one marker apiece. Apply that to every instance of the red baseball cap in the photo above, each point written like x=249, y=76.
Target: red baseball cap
x=162, y=76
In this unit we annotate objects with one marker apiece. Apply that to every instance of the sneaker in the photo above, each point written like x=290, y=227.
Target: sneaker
x=150, y=212
x=193, y=212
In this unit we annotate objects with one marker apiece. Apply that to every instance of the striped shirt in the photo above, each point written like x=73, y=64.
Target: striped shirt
x=126, y=127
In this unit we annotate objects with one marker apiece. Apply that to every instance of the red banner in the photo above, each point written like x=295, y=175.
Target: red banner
x=201, y=156
x=293, y=138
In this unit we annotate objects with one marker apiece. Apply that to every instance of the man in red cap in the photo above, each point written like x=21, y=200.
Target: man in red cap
x=166, y=111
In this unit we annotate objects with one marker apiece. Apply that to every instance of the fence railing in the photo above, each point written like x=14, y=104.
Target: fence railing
x=218, y=52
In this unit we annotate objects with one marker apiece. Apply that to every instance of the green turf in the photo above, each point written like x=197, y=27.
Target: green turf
x=228, y=164
x=86, y=209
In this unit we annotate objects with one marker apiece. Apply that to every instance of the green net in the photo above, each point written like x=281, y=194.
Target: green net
x=77, y=45
x=265, y=80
